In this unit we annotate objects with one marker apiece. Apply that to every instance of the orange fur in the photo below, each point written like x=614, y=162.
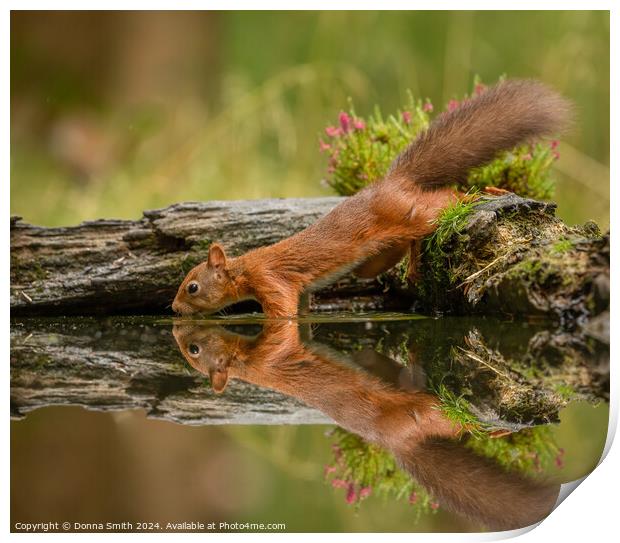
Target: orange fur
x=372, y=230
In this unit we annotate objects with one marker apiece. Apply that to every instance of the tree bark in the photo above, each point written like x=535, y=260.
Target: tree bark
x=512, y=256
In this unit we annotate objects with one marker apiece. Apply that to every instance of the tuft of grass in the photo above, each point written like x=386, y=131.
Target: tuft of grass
x=451, y=221
x=456, y=408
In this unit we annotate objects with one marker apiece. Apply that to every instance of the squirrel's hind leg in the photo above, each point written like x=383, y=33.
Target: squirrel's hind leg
x=415, y=252
x=381, y=262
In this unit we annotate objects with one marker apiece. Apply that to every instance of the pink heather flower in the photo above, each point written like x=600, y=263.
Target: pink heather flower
x=413, y=498
x=339, y=483
x=453, y=104
x=365, y=492
x=351, y=494
x=554, y=144
x=406, y=117
x=559, y=462
x=358, y=124
x=480, y=88
x=428, y=107
x=345, y=121
x=328, y=469
x=434, y=506
x=331, y=169
x=324, y=146
x=555, y=155
x=527, y=156
x=333, y=131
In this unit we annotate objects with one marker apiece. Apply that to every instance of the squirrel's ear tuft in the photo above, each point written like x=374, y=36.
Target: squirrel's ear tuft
x=217, y=256
x=219, y=380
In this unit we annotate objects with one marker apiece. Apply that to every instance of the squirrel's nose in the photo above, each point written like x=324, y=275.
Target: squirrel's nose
x=176, y=307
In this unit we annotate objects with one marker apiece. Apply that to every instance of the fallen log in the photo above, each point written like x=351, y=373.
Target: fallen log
x=506, y=255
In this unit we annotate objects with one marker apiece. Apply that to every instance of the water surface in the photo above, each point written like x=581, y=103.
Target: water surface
x=250, y=406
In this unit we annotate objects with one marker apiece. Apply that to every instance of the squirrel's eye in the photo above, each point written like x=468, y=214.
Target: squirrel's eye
x=193, y=349
x=193, y=287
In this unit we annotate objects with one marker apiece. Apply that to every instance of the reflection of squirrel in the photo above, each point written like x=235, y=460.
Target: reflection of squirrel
x=406, y=423
x=372, y=230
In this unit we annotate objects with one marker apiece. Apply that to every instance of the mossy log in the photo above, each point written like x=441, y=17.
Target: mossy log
x=506, y=255
x=505, y=374
x=512, y=256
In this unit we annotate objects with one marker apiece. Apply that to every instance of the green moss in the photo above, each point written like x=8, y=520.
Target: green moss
x=402, y=271
x=203, y=244
x=27, y=271
x=565, y=391
x=562, y=246
x=40, y=360
x=529, y=268
x=188, y=262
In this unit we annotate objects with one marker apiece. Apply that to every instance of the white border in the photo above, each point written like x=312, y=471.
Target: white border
x=590, y=513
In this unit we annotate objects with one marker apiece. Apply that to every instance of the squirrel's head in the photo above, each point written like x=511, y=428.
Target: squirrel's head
x=209, y=349
x=208, y=287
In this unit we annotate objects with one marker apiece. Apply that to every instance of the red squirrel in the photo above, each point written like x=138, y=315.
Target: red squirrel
x=371, y=231
x=408, y=423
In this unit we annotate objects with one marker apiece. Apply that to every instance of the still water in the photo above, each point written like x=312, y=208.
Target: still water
x=381, y=422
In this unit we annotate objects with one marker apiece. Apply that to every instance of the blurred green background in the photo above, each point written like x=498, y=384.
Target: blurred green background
x=116, y=112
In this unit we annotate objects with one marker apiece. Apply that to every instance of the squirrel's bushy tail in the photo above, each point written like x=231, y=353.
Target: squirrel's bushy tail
x=501, y=117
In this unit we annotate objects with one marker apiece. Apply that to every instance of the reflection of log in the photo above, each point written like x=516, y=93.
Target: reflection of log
x=510, y=375
x=111, y=365
x=513, y=257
